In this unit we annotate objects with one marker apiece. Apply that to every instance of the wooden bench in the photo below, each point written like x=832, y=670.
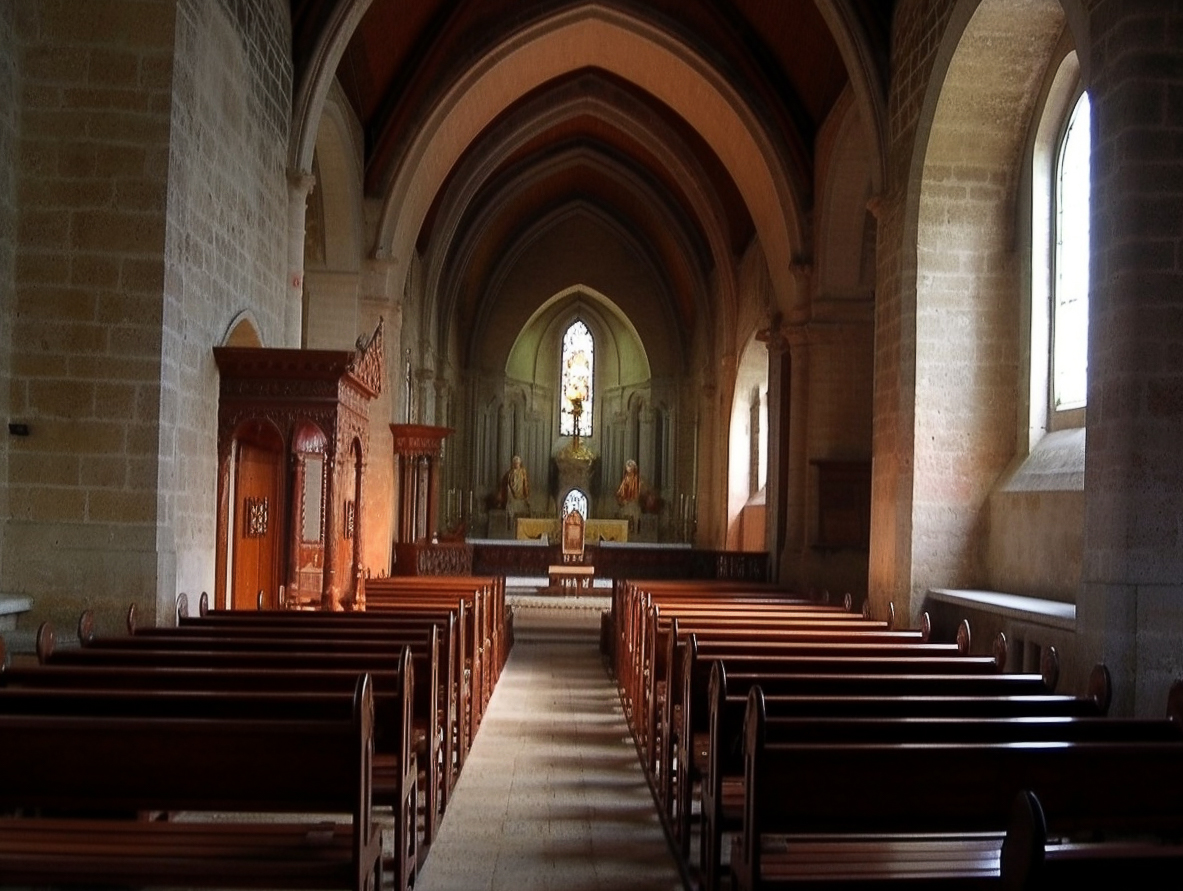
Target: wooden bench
x=484, y=602
x=1031, y=861
x=655, y=653
x=365, y=626
x=681, y=764
x=488, y=593
x=223, y=769
x=325, y=654
x=809, y=718
x=650, y=648
x=633, y=601
x=660, y=713
x=42, y=689
x=898, y=813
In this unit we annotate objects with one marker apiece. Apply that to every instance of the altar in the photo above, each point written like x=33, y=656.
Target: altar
x=594, y=531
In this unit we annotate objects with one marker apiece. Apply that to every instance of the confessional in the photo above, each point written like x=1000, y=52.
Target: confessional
x=293, y=439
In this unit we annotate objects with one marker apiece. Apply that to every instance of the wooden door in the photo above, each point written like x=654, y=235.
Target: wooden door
x=258, y=526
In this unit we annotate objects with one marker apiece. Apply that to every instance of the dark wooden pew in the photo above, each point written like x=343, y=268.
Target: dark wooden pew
x=1031, y=861
x=327, y=654
x=634, y=614
x=660, y=715
x=653, y=643
x=454, y=653
x=871, y=718
x=394, y=779
x=657, y=666
x=76, y=764
x=816, y=814
x=486, y=597
x=680, y=769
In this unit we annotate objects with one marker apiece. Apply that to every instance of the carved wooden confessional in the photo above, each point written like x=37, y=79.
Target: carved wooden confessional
x=293, y=439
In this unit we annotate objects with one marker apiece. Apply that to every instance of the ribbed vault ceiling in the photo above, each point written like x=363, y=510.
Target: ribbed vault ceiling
x=592, y=138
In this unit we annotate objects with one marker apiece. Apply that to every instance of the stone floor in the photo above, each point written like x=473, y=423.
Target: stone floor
x=552, y=795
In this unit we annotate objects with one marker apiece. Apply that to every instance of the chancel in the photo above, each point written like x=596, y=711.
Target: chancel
x=838, y=325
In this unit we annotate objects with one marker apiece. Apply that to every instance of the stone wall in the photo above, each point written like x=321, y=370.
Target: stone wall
x=152, y=208
x=225, y=252
x=9, y=132
x=916, y=30
x=1130, y=609
x=93, y=148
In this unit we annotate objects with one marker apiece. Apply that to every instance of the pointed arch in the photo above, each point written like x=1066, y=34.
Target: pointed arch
x=595, y=36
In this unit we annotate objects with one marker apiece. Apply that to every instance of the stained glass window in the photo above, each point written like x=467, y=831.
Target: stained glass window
x=575, y=384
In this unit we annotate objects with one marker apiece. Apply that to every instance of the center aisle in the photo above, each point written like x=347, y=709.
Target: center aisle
x=552, y=795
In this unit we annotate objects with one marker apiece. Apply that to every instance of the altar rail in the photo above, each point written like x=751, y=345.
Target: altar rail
x=633, y=561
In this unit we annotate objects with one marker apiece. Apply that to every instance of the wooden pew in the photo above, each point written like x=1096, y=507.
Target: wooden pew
x=633, y=602
x=809, y=718
x=473, y=679
x=901, y=812
x=681, y=762
x=484, y=601
x=665, y=633
x=74, y=764
x=325, y=654
x=1031, y=861
x=657, y=666
x=394, y=777
x=650, y=648
x=660, y=716
x=488, y=591
x=452, y=644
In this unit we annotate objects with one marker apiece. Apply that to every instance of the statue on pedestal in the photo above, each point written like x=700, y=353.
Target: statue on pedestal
x=515, y=490
x=629, y=493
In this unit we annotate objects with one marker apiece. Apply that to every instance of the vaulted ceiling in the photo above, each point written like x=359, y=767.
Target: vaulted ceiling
x=781, y=56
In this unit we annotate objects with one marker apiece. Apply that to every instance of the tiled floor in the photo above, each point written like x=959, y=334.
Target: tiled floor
x=552, y=795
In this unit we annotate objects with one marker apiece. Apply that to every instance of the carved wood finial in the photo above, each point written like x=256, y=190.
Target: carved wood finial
x=964, y=637
x=1050, y=668
x=86, y=627
x=1001, y=649
x=46, y=639
x=1100, y=690
x=368, y=365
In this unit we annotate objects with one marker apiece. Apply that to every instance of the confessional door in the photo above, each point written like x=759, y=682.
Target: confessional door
x=257, y=527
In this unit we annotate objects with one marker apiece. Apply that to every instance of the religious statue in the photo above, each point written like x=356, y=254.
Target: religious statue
x=628, y=494
x=515, y=489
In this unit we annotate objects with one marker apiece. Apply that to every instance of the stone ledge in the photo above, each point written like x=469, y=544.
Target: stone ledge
x=1037, y=610
x=11, y=608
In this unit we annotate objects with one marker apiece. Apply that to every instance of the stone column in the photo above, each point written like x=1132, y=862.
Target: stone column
x=300, y=185
x=776, y=498
x=1130, y=608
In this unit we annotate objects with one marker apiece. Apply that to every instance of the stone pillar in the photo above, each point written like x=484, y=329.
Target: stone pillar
x=776, y=488
x=331, y=593
x=300, y=185
x=1130, y=608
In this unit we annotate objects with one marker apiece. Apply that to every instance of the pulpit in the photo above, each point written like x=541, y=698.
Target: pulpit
x=418, y=456
x=293, y=439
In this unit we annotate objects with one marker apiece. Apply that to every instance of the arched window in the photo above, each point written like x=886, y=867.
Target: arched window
x=576, y=500
x=1070, y=282
x=575, y=384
